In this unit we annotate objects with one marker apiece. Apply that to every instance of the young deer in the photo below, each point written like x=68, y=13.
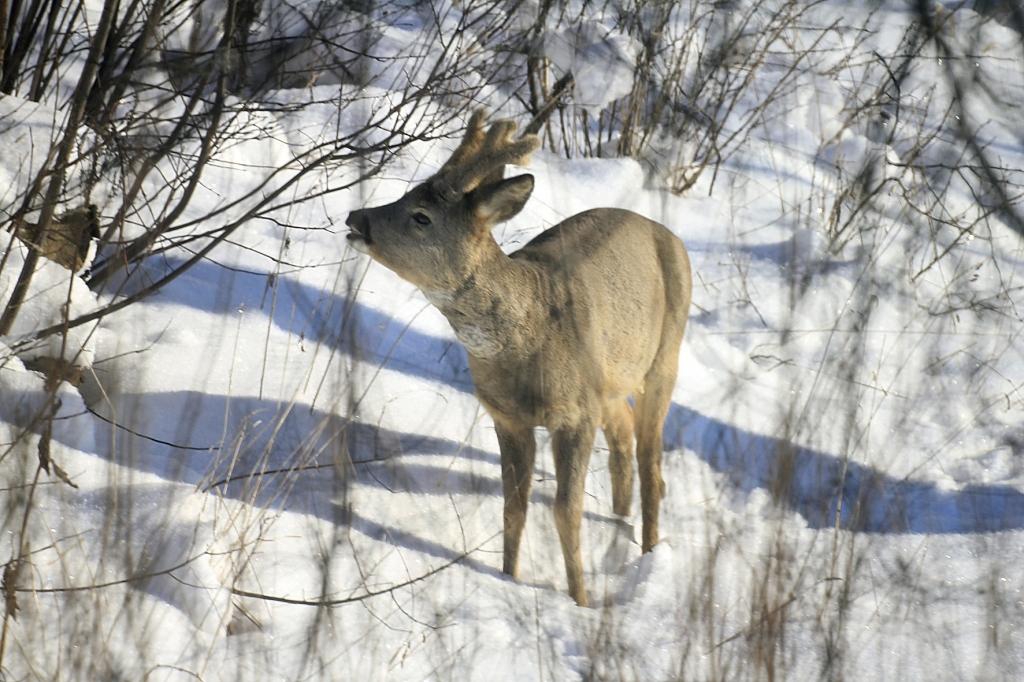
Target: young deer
x=559, y=333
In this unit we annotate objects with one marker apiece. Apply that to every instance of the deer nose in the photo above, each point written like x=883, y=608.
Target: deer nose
x=359, y=223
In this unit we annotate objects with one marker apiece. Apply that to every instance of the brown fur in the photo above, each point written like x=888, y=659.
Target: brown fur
x=559, y=334
x=66, y=242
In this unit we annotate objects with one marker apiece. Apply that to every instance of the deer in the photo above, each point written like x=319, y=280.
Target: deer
x=559, y=334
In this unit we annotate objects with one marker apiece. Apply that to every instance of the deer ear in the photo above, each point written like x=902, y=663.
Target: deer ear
x=500, y=201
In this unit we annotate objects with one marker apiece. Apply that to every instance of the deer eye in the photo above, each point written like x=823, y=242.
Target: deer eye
x=421, y=218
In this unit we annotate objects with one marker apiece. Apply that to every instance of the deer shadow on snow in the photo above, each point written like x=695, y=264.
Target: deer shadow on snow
x=819, y=486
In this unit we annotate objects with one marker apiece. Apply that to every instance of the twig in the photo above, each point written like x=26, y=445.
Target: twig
x=153, y=439
x=362, y=597
x=561, y=85
x=112, y=583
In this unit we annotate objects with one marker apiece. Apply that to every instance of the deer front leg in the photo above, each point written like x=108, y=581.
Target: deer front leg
x=518, y=448
x=572, y=454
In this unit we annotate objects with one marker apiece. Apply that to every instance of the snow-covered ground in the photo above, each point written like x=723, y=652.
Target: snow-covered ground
x=281, y=471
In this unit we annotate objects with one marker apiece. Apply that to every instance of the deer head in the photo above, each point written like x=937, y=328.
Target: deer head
x=435, y=235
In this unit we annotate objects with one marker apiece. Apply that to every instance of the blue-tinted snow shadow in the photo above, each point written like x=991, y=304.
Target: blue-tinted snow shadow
x=785, y=254
x=243, y=447
x=316, y=316
x=818, y=485
x=269, y=455
x=275, y=456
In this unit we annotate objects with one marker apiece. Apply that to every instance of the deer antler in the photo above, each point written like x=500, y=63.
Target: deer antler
x=481, y=157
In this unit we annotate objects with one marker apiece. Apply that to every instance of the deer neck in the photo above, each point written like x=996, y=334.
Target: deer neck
x=491, y=308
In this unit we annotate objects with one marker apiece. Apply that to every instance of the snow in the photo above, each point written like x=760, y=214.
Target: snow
x=600, y=61
x=51, y=287
x=843, y=456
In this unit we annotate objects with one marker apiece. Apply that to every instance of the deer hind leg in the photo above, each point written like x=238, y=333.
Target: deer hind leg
x=518, y=449
x=651, y=408
x=572, y=454
x=618, y=431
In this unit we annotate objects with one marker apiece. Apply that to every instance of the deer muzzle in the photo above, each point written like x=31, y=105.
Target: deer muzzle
x=359, y=230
